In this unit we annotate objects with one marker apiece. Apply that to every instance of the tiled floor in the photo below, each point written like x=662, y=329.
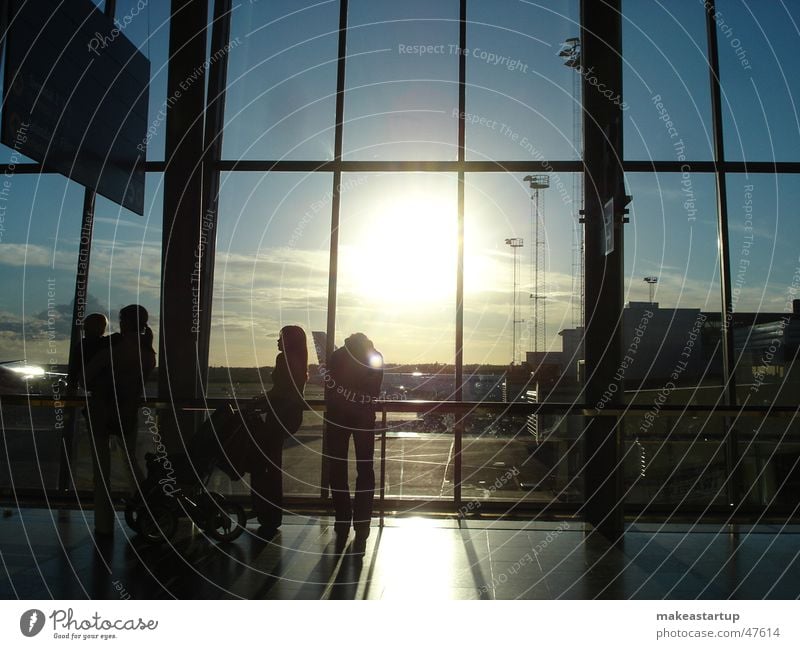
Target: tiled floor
x=52, y=554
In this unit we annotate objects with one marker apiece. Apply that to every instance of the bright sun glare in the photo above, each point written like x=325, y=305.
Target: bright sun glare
x=406, y=253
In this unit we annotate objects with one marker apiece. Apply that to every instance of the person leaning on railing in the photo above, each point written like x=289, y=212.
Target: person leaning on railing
x=116, y=376
x=355, y=374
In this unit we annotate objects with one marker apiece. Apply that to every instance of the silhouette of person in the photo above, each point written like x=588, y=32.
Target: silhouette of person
x=284, y=417
x=116, y=376
x=355, y=374
x=93, y=341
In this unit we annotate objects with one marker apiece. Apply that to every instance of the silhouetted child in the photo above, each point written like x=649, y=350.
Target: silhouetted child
x=93, y=341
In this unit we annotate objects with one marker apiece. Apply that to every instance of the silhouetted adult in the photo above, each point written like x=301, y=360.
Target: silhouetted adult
x=116, y=376
x=284, y=417
x=354, y=377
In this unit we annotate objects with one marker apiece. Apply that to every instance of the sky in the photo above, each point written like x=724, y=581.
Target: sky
x=397, y=238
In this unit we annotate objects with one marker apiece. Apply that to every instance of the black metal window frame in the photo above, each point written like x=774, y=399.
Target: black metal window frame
x=719, y=166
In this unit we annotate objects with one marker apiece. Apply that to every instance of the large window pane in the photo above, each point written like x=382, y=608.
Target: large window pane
x=273, y=239
x=508, y=458
x=396, y=283
x=521, y=98
x=666, y=81
x=38, y=261
x=771, y=463
x=760, y=85
x=680, y=463
x=125, y=269
x=280, y=101
x=500, y=210
x=126, y=257
x=397, y=267
x=671, y=321
x=419, y=463
x=517, y=348
x=39, y=257
x=31, y=449
x=765, y=286
x=271, y=270
x=401, y=80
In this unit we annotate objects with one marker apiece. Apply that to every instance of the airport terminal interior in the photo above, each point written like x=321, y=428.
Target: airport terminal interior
x=569, y=227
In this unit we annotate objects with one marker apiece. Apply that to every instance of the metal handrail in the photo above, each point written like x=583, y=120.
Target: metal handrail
x=432, y=406
x=463, y=408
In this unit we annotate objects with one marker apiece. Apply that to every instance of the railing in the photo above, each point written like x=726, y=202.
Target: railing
x=678, y=432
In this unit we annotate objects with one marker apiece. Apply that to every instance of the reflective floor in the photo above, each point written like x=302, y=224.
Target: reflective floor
x=52, y=554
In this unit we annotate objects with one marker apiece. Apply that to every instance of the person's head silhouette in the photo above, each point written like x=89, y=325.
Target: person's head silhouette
x=292, y=339
x=133, y=320
x=292, y=342
x=94, y=325
x=362, y=350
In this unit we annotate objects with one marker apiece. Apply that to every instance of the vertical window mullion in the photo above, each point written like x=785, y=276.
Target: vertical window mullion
x=458, y=431
x=733, y=465
x=335, y=203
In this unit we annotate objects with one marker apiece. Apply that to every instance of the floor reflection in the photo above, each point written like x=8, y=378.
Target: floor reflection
x=53, y=555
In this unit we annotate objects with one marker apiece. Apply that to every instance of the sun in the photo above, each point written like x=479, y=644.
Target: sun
x=405, y=252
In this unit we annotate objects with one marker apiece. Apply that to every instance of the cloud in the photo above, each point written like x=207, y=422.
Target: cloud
x=135, y=224
x=59, y=317
x=24, y=255
x=139, y=258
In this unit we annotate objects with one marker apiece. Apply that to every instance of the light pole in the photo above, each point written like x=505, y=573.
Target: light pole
x=571, y=55
x=515, y=243
x=651, y=284
x=538, y=183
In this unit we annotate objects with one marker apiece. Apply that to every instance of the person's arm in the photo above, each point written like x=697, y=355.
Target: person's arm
x=148, y=353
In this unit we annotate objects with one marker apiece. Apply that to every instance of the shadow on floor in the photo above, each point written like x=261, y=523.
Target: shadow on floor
x=52, y=554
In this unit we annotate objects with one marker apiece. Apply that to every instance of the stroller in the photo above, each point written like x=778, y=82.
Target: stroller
x=176, y=485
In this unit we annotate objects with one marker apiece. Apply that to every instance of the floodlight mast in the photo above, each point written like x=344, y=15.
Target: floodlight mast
x=515, y=243
x=571, y=55
x=538, y=183
x=651, y=282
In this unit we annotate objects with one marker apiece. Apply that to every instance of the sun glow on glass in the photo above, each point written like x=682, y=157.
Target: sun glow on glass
x=28, y=371
x=405, y=253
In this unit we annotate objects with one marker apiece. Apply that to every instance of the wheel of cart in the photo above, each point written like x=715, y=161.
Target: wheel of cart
x=156, y=523
x=225, y=520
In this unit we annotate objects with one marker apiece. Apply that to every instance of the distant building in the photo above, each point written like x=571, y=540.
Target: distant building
x=660, y=343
